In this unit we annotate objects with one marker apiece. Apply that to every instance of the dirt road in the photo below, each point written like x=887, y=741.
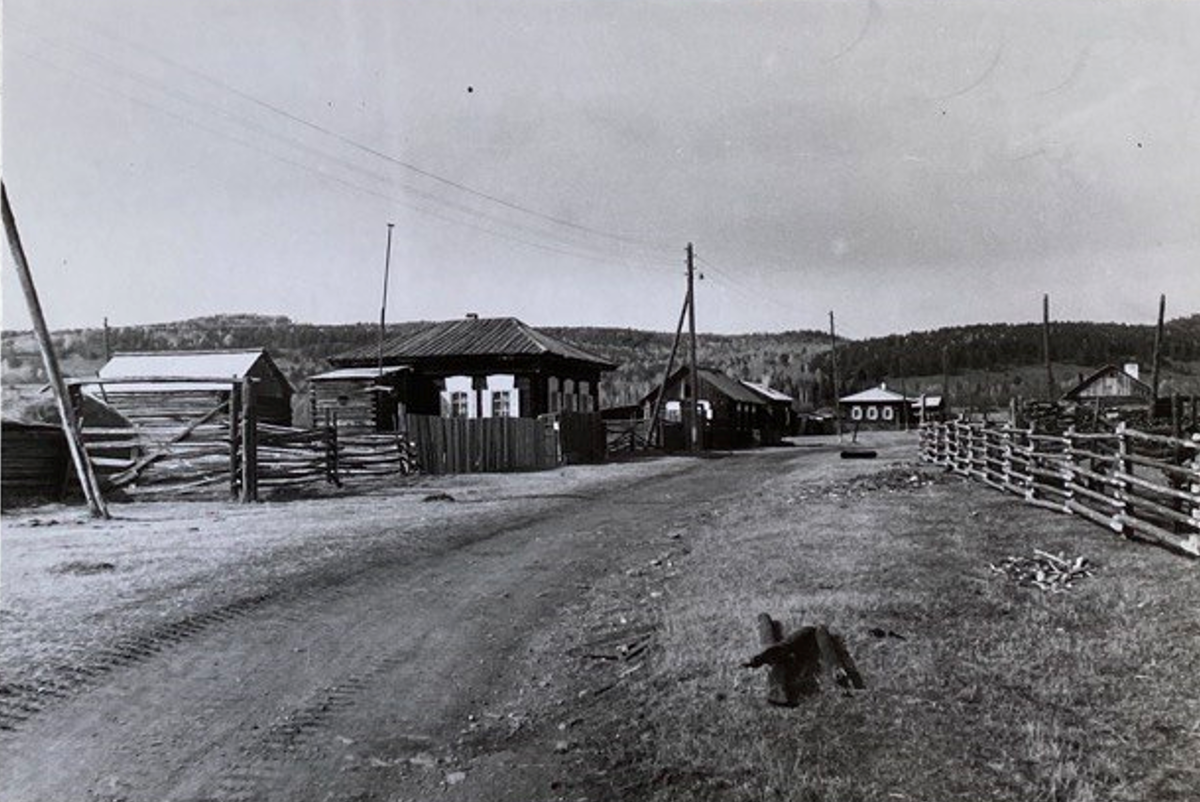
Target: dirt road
x=393, y=678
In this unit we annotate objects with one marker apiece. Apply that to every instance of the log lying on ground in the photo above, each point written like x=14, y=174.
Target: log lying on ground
x=802, y=662
x=859, y=453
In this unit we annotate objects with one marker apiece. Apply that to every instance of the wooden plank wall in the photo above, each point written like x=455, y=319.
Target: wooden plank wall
x=36, y=464
x=482, y=445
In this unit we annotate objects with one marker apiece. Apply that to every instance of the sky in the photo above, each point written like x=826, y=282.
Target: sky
x=909, y=164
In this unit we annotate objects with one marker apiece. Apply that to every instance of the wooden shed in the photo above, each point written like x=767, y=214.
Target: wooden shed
x=732, y=413
x=363, y=399
x=161, y=408
x=476, y=368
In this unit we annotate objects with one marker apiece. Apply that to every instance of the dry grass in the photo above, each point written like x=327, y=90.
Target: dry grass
x=996, y=692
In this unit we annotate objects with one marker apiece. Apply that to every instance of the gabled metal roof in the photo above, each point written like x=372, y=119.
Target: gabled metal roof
x=235, y=364
x=1088, y=381
x=726, y=385
x=877, y=395
x=767, y=392
x=473, y=337
x=200, y=364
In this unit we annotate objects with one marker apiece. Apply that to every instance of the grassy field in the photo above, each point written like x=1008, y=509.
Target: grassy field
x=996, y=691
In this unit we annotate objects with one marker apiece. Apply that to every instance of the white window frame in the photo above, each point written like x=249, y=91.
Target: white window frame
x=856, y=412
x=460, y=404
x=889, y=414
x=872, y=412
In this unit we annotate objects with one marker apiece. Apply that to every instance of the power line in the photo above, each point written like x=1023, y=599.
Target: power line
x=557, y=248
x=431, y=175
x=594, y=254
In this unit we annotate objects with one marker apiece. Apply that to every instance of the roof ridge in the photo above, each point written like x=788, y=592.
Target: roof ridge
x=186, y=351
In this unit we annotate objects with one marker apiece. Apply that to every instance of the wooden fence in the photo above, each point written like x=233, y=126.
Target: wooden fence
x=227, y=446
x=479, y=445
x=1138, y=484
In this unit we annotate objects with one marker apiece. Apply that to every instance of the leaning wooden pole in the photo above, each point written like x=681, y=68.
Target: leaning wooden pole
x=662, y=388
x=66, y=412
x=1158, y=340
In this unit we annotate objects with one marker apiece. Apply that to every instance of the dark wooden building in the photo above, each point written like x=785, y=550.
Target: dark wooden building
x=163, y=407
x=778, y=418
x=732, y=413
x=468, y=368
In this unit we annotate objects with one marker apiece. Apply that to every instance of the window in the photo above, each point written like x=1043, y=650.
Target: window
x=501, y=404
x=856, y=413
x=555, y=397
x=888, y=413
x=872, y=413
x=460, y=406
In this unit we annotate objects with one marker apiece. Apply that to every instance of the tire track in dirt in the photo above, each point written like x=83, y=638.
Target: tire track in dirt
x=24, y=697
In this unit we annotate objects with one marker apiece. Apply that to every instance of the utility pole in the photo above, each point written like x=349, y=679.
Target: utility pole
x=837, y=411
x=1050, y=394
x=662, y=387
x=945, y=380
x=1158, y=339
x=387, y=264
x=694, y=396
x=107, y=349
x=66, y=412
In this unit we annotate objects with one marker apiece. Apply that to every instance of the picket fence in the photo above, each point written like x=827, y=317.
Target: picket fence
x=1142, y=485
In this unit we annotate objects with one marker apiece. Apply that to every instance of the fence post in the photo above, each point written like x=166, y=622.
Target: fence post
x=331, y=448
x=249, y=443
x=1031, y=488
x=1006, y=453
x=1068, y=473
x=235, y=421
x=1123, y=470
x=968, y=461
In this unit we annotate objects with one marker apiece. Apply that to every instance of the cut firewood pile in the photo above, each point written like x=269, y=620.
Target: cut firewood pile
x=1045, y=571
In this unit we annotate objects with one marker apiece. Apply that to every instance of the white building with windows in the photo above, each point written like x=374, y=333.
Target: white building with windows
x=877, y=407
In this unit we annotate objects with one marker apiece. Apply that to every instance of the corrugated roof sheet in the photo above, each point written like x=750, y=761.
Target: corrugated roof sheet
x=183, y=364
x=501, y=336
x=767, y=392
x=358, y=373
x=875, y=394
x=234, y=363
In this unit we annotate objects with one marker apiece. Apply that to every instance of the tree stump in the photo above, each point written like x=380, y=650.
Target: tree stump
x=800, y=664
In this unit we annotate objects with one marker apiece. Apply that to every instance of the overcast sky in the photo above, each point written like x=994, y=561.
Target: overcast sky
x=909, y=164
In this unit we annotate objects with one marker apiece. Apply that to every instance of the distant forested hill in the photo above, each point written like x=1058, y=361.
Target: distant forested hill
x=988, y=363
x=302, y=349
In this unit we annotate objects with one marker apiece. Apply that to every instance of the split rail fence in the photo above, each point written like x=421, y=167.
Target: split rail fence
x=190, y=442
x=1143, y=485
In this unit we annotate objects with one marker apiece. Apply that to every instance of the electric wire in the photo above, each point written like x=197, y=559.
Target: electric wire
x=559, y=247
x=429, y=174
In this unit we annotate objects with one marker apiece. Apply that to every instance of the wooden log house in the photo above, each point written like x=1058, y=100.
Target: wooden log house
x=468, y=368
